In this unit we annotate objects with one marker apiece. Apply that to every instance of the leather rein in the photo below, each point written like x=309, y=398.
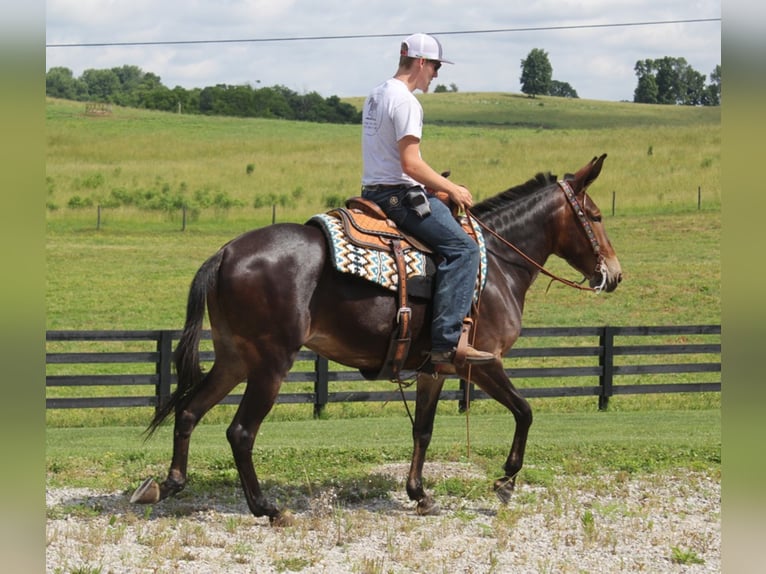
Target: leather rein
x=582, y=218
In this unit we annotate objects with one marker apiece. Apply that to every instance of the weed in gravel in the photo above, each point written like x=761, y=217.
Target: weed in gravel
x=87, y=570
x=232, y=524
x=241, y=552
x=507, y=518
x=683, y=556
x=370, y=566
x=292, y=564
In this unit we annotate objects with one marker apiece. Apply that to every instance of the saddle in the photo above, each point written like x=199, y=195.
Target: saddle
x=365, y=225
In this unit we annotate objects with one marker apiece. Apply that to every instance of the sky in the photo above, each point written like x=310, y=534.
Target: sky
x=346, y=47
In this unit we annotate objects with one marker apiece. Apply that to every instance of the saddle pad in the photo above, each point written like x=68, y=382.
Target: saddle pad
x=379, y=266
x=371, y=264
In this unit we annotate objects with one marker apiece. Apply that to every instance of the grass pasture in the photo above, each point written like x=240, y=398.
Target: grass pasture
x=133, y=272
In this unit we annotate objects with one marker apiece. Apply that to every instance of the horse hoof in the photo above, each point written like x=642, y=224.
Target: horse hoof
x=427, y=507
x=504, y=487
x=282, y=519
x=147, y=493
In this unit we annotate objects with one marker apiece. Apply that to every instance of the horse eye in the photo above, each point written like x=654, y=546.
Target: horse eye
x=595, y=217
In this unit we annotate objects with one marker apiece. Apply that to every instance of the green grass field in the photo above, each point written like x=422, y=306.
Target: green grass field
x=133, y=271
x=345, y=449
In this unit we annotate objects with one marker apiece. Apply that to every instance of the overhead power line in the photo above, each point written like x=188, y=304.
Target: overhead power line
x=367, y=36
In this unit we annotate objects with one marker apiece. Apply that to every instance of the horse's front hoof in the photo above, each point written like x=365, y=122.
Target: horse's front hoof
x=147, y=493
x=504, y=487
x=427, y=507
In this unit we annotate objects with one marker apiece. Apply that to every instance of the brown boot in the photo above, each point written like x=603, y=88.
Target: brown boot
x=472, y=356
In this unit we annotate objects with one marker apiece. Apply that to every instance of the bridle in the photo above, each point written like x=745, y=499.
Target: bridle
x=582, y=218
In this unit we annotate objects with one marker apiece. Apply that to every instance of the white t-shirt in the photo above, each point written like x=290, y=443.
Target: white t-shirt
x=390, y=112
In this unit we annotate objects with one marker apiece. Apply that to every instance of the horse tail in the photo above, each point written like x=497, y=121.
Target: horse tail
x=190, y=375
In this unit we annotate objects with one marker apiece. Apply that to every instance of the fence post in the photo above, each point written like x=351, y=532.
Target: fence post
x=165, y=351
x=321, y=385
x=606, y=362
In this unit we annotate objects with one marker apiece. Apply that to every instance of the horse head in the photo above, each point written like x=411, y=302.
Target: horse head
x=583, y=241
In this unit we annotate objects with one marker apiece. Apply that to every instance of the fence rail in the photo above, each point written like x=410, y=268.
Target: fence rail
x=593, y=357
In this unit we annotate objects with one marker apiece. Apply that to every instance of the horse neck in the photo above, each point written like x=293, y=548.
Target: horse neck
x=524, y=224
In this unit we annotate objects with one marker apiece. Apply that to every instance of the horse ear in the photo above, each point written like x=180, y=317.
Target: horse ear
x=588, y=173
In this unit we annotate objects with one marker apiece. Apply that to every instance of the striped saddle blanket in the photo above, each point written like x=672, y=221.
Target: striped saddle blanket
x=359, y=244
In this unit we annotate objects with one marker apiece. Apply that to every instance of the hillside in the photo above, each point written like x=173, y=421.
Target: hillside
x=660, y=157
x=494, y=109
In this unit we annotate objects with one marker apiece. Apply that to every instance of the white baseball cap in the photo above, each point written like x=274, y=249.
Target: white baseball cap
x=424, y=46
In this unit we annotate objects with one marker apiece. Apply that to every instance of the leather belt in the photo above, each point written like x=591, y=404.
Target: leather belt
x=384, y=187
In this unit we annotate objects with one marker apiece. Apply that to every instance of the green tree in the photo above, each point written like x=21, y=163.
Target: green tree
x=562, y=90
x=671, y=81
x=536, y=73
x=61, y=83
x=646, y=91
x=102, y=84
x=713, y=89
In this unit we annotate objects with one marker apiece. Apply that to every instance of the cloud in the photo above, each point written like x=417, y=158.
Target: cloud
x=597, y=62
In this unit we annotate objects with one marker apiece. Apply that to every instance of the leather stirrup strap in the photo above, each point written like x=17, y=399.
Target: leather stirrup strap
x=462, y=344
x=399, y=347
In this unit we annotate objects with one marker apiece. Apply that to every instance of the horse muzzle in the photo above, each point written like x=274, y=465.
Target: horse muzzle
x=607, y=277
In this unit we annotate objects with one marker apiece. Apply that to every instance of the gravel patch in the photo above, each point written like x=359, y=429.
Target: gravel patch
x=618, y=523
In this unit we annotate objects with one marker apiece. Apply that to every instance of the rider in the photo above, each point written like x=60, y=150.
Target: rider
x=395, y=177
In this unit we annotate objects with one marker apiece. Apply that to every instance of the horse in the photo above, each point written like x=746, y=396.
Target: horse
x=272, y=291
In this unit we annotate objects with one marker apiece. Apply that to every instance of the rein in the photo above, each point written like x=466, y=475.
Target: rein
x=582, y=218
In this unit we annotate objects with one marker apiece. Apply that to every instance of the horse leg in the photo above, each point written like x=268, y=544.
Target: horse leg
x=260, y=396
x=428, y=389
x=493, y=380
x=216, y=385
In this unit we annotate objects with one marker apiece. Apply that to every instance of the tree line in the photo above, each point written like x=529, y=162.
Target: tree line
x=132, y=87
x=662, y=81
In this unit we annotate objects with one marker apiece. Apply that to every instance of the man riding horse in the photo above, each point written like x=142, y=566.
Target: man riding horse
x=395, y=177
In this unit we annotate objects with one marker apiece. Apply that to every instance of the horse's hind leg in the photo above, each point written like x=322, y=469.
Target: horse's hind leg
x=217, y=383
x=428, y=389
x=261, y=394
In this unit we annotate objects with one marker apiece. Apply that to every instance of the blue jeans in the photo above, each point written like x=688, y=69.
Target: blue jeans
x=456, y=272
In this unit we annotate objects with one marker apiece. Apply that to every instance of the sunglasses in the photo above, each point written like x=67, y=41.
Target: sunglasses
x=437, y=64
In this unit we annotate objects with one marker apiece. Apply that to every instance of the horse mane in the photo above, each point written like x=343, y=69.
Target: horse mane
x=513, y=194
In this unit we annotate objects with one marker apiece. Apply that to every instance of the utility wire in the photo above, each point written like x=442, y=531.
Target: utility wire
x=367, y=36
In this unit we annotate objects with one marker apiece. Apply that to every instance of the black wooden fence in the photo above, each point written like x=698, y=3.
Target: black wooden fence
x=583, y=361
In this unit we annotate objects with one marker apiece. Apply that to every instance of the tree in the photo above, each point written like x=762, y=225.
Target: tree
x=536, y=73
x=61, y=83
x=672, y=81
x=441, y=88
x=102, y=84
x=713, y=89
x=646, y=91
x=562, y=90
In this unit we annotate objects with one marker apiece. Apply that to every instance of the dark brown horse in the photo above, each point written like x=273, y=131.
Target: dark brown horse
x=273, y=290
